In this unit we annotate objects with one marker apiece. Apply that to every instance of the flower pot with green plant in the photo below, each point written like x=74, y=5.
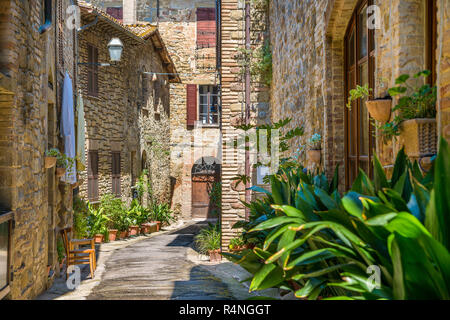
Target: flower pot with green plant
x=98, y=224
x=415, y=120
x=115, y=210
x=63, y=163
x=51, y=157
x=61, y=253
x=379, y=109
x=237, y=244
x=208, y=242
x=314, y=148
x=138, y=215
x=161, y=214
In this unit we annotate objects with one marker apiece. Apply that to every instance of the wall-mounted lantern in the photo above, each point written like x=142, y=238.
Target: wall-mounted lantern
x=115, y=47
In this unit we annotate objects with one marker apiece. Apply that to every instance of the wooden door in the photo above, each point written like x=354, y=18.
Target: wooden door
x=360, y=57
x=203, y=178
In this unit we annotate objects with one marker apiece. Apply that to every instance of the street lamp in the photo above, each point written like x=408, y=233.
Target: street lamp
x=115, y=48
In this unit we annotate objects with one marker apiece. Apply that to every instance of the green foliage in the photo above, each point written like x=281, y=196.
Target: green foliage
x=80, y=218
x=262, y=64
x=137, y=213
x=420, y=102
x=60, y=250
x=237, y=242
x=97, y=221
x=360, y=92
x=208, y=239
x=215, y=194
x=162, y=212
x=62, y=161
x=309, y=236
x=284, y=139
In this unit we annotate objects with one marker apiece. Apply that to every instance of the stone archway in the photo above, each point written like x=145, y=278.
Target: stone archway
x=338, y=17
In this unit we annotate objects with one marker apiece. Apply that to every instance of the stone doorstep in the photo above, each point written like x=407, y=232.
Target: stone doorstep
x=59, y=290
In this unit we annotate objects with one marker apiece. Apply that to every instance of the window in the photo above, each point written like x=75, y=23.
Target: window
x=360, y=61
x=6, y=219
x=116, y=12
x=115, y=173
x=93, y=175
x=92, y=67
x=46, y=15
x=206, y=27
x=208, y=105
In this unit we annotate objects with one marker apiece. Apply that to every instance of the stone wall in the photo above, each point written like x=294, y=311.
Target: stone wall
x=308, y=61
x=178, y=27
x=130, y=114
x=30, y=91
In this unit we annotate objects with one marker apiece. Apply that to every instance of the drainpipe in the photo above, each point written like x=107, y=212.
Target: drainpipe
x=247, y=108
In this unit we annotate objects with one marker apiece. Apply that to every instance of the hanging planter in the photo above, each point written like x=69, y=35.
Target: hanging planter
x=314, y=156
x=380, y=109
x=419, y=137
x=50, y=162
x=60, y=172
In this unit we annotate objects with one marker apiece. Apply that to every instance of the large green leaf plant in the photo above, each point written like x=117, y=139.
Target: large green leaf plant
x=384, y=239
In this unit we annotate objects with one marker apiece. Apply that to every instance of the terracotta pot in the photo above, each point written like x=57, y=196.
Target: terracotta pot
x=112, y=234
x=152, y=227
x=123, y=234
x=314, y=156
x=98, y=238
x=158, y=225
x=60, y=172
x=50, y=162
x=380, y=109
x=215, y=256
x=144, y=229
x=419, y=137
x=133, y=230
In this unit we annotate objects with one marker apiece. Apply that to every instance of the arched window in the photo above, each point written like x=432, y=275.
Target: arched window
x=359, y=66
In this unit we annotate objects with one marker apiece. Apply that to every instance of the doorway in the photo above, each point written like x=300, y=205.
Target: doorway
x=359, y=66
x=205, y=178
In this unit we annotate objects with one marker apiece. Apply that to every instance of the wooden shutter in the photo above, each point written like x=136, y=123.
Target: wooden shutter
x=93, y=175
x=92, y=68
x=116, y=13
x=191, y=104
x=115, y=168
x=206, y=27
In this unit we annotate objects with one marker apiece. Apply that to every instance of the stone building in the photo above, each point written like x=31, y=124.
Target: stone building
x=36, y=50
x=210, y=99
x=126, y=110
x=324, y=48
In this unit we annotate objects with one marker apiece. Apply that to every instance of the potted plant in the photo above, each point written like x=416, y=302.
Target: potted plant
x=379, y=109
x=415, y=122
x=314, y=149
x=237, y=244
x=61, y=253
x=98, y=224
x=161, y=215
x=63, y=163
x=50, y=158
x=208, y=242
